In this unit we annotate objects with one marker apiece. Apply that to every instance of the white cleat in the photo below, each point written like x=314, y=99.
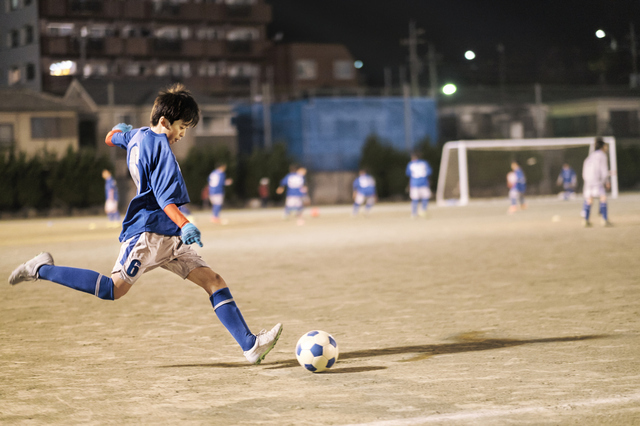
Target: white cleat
x=265, y=341
x=28, y=271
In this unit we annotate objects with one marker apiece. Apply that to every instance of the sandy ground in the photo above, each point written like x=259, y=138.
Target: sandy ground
x=469, y=316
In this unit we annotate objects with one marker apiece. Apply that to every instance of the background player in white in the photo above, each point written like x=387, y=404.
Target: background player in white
x=111, y=198
x=518, y=182
x=419, y=172
x=295, y=185
x=364, y=190
x=569, y=181
x=595, y=172
x=154, y=231
x=217, y=181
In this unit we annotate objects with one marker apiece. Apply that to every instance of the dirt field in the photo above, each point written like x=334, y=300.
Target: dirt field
x=469, y=316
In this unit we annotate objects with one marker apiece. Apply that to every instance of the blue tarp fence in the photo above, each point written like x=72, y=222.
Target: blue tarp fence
x=327, y=134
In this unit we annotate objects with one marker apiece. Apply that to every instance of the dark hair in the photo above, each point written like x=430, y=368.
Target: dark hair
x=175, y=103
x=599, y=143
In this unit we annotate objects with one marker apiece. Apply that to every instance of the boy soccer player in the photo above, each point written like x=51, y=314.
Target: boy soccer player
x=568, y=180
x=518, y=182
x=419, y=172
x=595, y=172
x=154, y=232
x=364, y=190
x=295, y=184
x=217, y=181
x=111, y=197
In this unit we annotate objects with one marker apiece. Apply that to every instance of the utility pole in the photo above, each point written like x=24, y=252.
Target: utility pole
x=433, y=71
x=414, y=62
x=634, y=58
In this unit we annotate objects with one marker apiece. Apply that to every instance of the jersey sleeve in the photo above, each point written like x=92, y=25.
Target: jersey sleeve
x=117, y=138
x=166, y=179
x=284, y=181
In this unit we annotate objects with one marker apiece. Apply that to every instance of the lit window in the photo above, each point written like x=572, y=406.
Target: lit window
x=343, y=70
x=15, y=75
x=60, y=29
x=62, y=68
x=306, y=69
x=243, y=34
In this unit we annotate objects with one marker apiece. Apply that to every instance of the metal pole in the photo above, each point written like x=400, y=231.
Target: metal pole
x=408, y=137
x=266, y=114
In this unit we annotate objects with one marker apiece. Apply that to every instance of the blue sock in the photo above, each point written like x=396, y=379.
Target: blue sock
x=216, y=209
x=79, y=279
x=231, y=317
x=424, y=205
x=414, y=207
x=603, y=211
x=587, y=210
x=356, y=207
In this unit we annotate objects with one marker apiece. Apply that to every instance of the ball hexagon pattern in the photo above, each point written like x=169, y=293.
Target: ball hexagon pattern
x=317, y=351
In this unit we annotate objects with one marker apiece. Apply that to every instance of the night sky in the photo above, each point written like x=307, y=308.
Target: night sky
x=544, y=41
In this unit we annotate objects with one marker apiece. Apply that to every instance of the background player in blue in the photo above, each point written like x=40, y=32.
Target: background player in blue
x=111, y=198
x=518, y=182
x=154, y=232
x=217, y=181
x=364, y=190
x=568, y=180
x=419, y=172
x=295, y=185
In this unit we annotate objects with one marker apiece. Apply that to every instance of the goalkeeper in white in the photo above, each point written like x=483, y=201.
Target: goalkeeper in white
x=595, y=172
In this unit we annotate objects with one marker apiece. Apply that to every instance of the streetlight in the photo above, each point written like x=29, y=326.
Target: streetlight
x=358, y=64
x=449, y=89
x=470, y=55
x=601, y=34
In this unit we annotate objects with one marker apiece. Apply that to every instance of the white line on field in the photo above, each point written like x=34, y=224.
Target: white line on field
x=501, y=412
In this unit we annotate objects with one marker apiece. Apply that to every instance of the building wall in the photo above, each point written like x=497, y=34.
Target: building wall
x=30, y=144
x=27, y=52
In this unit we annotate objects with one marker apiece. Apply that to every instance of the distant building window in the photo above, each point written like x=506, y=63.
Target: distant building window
x=95, y=69
x=60, y=29
x=306, y=69
x=6, y=135
x=28, y=34
x=212, y=69
x=31, y=72
x=14, y=38
x=52, y=127
x=62, y=68
x=343, y=70
x=243, y=34
x=27, y=2
x=14, y=5
x=15, y=75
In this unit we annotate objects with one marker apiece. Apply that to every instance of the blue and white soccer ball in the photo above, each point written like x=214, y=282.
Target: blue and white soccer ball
x=317, y=351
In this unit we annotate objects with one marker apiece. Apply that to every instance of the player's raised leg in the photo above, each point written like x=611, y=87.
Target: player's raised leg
x=254, y=346
x=85, y=280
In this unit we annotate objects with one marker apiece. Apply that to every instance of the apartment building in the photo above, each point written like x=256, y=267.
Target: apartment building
x=217, y=46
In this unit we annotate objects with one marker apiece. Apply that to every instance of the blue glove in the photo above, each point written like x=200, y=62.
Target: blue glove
x=191, y=234
x=123, y=127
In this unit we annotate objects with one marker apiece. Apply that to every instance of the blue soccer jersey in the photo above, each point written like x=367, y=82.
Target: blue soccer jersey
x=157, y=176
x=365, y=185
x=294, y=183
x=521, y=180
x=419, y=172
x=568, y=177
x=109, y=186
x=216, y=182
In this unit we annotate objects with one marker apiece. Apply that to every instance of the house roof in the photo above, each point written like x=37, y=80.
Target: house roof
x=19, y=100
x=128, y=92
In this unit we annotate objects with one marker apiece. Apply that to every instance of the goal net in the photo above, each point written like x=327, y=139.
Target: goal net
x=476, y=169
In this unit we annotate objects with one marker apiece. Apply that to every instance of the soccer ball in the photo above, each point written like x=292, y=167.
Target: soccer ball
x=317, y=351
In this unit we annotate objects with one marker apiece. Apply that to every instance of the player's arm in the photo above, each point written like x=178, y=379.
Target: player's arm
x=119, y=135
x=190, y=234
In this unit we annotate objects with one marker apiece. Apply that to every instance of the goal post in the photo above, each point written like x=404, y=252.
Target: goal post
x=485, y=163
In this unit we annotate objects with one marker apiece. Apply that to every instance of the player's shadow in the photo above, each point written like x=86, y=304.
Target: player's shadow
x=466, y=342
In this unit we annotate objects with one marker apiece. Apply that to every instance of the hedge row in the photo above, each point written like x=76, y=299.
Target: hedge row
x=43, y=181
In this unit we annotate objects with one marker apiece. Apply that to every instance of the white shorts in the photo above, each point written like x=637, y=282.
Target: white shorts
x=147, y=251
x=361, y=198
x=111, y=206
x=216, y=199
x=419, y=193
x=593, y=191
x=293, y=202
